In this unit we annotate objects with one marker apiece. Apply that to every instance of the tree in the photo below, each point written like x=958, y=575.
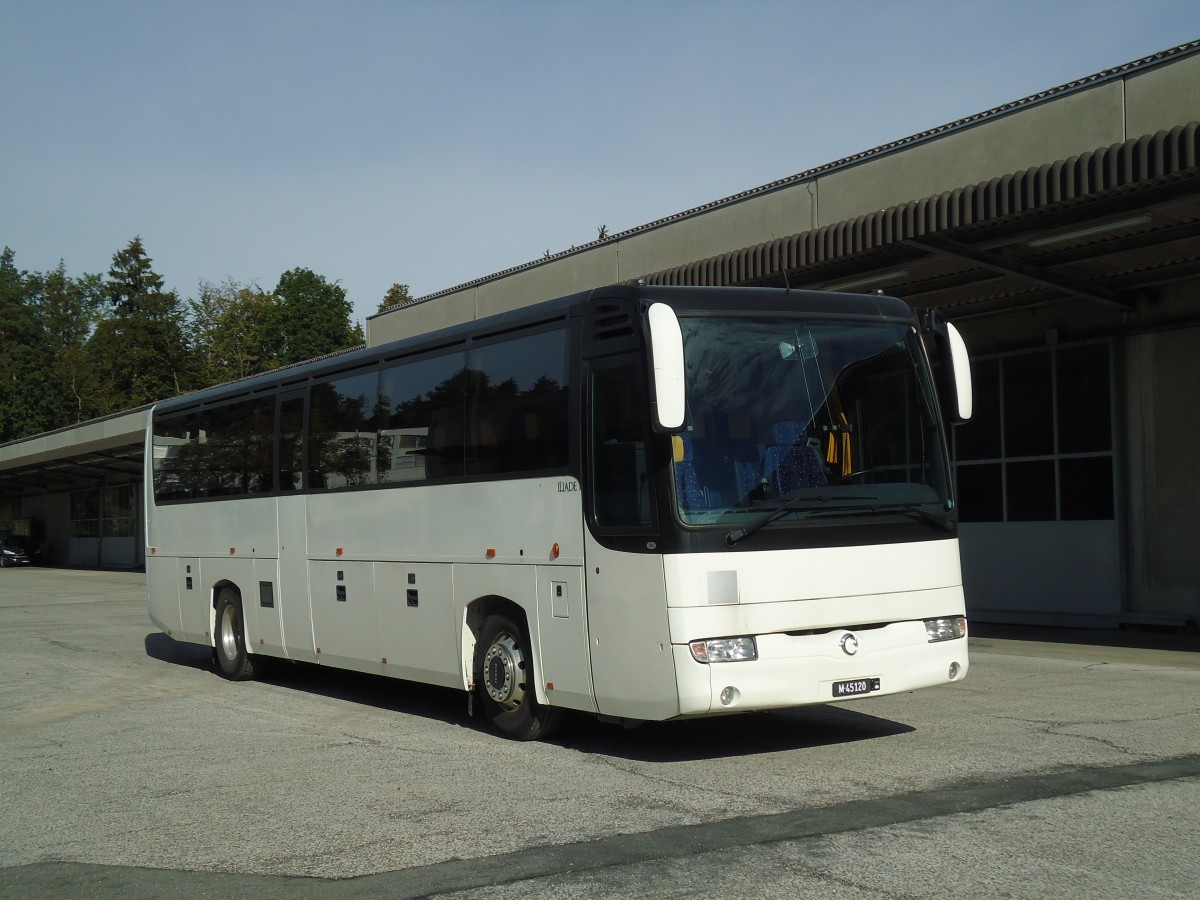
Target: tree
x=68, y=308
x=396, y=294
x=138, y=350
x=133, y=286
x=45, y=379
x=311, y=317
x=27, y=396
x=230, y=328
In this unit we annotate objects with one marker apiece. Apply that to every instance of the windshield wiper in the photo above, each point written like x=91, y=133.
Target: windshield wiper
x=740, y=534
x=913, y=510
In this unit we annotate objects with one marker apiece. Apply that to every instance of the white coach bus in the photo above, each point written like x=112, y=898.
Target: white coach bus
x=642, y=503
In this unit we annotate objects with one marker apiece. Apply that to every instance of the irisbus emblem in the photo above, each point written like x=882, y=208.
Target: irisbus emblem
x=849, y=644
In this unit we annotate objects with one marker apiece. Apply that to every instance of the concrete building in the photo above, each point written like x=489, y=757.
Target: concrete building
x=1060, y=233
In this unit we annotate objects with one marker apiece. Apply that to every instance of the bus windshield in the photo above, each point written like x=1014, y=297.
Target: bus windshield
x=802, y=421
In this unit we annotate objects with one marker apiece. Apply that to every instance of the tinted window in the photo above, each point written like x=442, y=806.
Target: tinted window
x=342, y=431
x=291, y=444
x=421, y=429
x=504, y=407
x=620, y=430
x=176, y=458
x=221, y=452
x=517, y=405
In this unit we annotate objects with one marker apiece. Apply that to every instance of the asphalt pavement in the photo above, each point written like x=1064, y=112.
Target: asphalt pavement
x=1062, y=765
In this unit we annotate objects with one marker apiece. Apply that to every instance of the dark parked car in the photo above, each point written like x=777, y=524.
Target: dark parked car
x=18, y=550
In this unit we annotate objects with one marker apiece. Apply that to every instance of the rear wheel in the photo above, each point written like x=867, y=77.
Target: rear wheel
x=504, y=678
x=232, y=659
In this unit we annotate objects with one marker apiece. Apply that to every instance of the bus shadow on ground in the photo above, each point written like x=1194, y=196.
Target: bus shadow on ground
x=679, y=741
x=166, y=649
x=748, y=734
x=406, y=697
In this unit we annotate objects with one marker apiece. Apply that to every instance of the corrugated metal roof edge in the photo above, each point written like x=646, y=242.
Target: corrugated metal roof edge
x=64, y=428
x=1146, y=159
x=1122, y=71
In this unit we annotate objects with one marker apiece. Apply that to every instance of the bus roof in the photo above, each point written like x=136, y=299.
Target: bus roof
x=682, y=299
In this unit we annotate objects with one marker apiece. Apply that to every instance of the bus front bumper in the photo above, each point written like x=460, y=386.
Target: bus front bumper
x=805, y=669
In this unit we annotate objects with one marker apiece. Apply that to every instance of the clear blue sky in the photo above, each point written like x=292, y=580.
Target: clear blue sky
x=436, y=142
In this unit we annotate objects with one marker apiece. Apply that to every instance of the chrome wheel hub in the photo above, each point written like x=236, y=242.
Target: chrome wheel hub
x=504, y=672
x=227, y=633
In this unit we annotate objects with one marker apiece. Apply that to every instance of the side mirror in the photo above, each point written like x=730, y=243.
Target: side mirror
x=954, y=382
x=666, y=367
x=960, y=364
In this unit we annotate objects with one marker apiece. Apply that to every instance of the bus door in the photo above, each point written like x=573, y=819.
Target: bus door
x=292, y=531
x=632, y=666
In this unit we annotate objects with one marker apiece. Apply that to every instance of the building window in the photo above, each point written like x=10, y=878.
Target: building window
x=1039, y=447
x=85, y=513
x=104, y=512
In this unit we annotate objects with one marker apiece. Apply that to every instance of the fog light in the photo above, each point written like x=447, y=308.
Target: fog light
x=954, y=670
x=946, y=629
x=719, y=650
x=729, y=696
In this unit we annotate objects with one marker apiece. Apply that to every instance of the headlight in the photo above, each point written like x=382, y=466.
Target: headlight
x=719, y=650
x=945, y=629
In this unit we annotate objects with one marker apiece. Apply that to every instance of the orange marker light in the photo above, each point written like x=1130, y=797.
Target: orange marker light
x=232, y=550
x=339, y=551
x=491, y=553
x=554, y=551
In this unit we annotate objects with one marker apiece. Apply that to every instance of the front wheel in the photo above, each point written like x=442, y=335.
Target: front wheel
x=504, y=678
x=232, y=659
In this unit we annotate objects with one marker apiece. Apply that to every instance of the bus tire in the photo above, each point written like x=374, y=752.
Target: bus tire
x=233, y=661
x=504, y=677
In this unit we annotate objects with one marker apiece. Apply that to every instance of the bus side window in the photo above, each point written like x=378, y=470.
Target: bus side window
x=517, y=402
x=176, y=457
x=342, y=433
x=290, y=476
x=421, y=419
x=620, y=433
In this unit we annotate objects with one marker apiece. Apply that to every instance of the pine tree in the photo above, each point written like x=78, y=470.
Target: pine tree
x=138, y=349
x=68, y=308
x=27, y=398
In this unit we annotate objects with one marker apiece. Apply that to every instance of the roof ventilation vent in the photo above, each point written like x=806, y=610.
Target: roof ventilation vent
x=611, y=322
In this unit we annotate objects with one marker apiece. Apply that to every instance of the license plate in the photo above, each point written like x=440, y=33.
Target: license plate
x=855, y=688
